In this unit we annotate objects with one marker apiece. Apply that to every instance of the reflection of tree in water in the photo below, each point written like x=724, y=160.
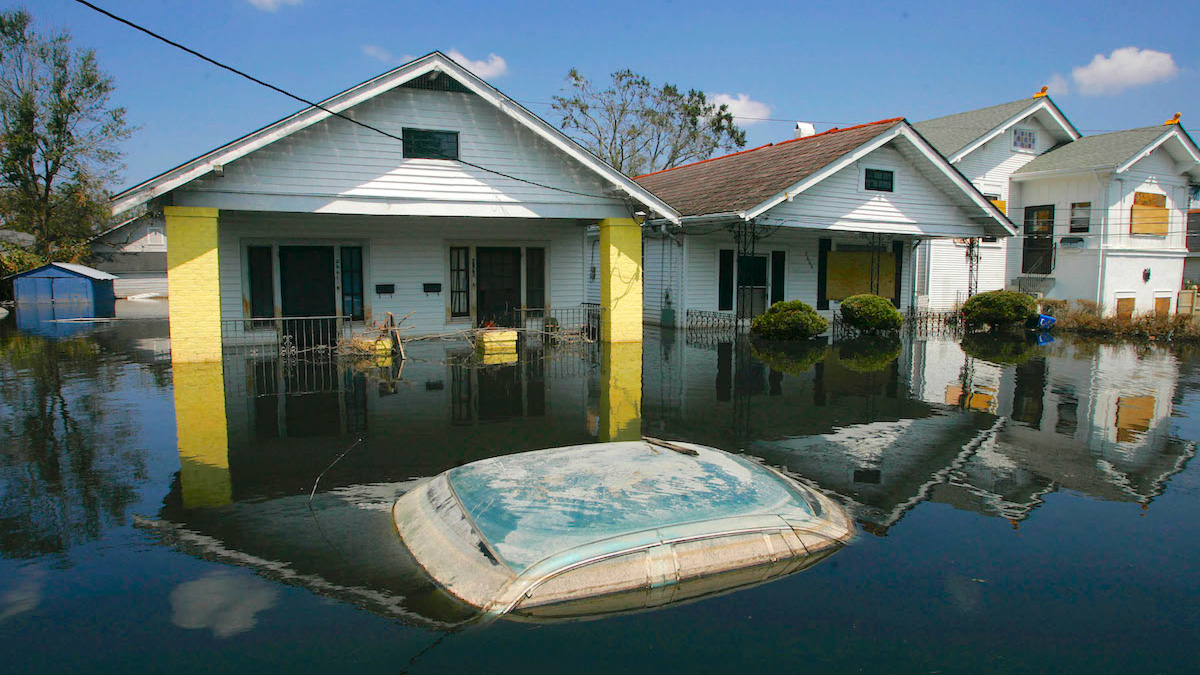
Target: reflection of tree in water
x=65, y=472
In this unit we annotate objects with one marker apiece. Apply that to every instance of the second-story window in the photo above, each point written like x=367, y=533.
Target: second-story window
x=428, y=144
x=879, y=180
x=1081, y=216
x=1024, y=139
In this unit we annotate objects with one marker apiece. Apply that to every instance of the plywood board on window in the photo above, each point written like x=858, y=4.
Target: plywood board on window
x=849, y=273
x=1149, y=214
x=1162, y=306
x=1125, y=307
x=1134, y=414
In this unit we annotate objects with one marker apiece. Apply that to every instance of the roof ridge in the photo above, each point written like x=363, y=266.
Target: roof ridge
x=769, y=145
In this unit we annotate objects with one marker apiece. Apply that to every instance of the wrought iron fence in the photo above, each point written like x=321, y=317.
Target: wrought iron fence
x=569, y=324
x=700, y=320
x=312, y=338
x=926, y=322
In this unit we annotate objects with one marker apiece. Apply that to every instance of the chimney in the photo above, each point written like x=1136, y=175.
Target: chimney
x=804, y=130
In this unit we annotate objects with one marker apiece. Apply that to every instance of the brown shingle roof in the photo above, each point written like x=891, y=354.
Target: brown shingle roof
x=748, y=178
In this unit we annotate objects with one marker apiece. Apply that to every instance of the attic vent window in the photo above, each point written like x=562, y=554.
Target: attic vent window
x=427, y=144
x=878, y=180
x=1024, y=139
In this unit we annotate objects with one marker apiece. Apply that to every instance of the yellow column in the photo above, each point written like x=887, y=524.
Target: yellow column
x=621, y=280
x=621, y=392
x=202, y=433
x=193, y=280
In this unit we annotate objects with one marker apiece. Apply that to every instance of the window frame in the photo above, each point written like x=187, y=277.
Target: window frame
x=407, y=143
x=862, y=180
x=471, y=245
x=277, y=300
x=1073, y=225
x=1166, y=208
x=1016, y=134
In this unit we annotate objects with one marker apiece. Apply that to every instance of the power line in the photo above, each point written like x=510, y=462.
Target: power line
x=313, y=104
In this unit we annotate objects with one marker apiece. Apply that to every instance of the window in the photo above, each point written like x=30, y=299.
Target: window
x=878, y=180
x=1037, y=256
x=262, y=284
x=535, y=279
x=427, y=144
x=460, y=281
x=1148, y=215
x=725, y=281
x=352, y=283
x=778, y=268
x=1081, y=216
x=1024, y=139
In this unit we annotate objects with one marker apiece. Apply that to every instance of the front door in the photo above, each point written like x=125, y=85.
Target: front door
x=1038, y=254
x=752, y=285
x=306, y=289
x=497, y=284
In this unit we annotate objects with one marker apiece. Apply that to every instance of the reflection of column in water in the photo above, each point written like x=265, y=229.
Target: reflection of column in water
x=621, y=392
x=202, y=434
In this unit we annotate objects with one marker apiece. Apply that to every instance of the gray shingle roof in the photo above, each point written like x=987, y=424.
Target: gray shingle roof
x=952, y=133
x=1101, y=150
x=743, y=180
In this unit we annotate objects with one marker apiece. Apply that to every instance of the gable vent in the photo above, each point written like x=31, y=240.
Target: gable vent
x=436, y=81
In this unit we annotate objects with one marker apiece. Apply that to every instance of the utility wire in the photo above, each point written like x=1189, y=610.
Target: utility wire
x=312, y=104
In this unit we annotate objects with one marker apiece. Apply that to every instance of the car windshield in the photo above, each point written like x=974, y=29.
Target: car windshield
x=533, y=505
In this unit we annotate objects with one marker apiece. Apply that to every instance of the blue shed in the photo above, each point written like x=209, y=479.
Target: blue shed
x=65, y=283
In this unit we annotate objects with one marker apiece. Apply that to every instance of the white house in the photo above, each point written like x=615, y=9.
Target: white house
x=136, y=252
x=423, y=191
x=1102, y=217
x=817, y=218
x=987, y=146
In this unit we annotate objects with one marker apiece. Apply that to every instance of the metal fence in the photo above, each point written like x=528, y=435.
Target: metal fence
x=948, y=322
x=699, y=320
x=565, y=323
x=310, y=338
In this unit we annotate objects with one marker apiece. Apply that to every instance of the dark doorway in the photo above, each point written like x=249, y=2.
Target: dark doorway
x=306, y=289
x=497, y=284
x=1038, y=254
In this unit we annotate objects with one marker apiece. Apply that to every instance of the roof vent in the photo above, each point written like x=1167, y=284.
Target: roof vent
x=804, y=130
x=1175, y=119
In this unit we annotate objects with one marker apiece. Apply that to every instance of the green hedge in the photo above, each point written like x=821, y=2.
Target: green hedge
x=871, y=313
x=789, y=320
x=869, y=353
x=998, y=309
x=999, y=348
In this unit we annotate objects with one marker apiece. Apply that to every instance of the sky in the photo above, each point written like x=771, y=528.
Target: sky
x=832, y=64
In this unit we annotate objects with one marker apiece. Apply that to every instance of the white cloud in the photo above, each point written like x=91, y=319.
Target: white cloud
x=378, y=53
x=1124, y=68
x=223, y=601
x=1058, y=85
x=273, y=5
x=746, y=110
x=494, y=66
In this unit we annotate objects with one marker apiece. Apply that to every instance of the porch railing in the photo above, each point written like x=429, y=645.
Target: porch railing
x=581, y=322
x=701, y=320
x=926, y=322
x=307, y=337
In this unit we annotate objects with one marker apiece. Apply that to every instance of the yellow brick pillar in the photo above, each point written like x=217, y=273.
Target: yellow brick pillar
x=193, y=281
x=202, y=433
x=621, y=392
x=621, y=280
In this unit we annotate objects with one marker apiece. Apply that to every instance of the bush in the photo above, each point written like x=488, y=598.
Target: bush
x=790, y=320
x=1054, y=308
x=998, y=309
x=868, y=353
x=871, y=313
x=792, y=358
x=999, y=348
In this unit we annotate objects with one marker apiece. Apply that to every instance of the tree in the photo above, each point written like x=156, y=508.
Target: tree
x=58, y=137
x=638, y=128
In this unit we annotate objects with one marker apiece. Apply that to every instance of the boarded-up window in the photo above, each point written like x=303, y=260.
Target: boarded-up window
x=1134, y=414
x=1125, y=307
x=980, y=401
x=997, y=202
x=1162, y=306
x=849, y=273
x=1148, y=214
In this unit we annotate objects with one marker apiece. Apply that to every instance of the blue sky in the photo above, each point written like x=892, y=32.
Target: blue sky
x=836, y=64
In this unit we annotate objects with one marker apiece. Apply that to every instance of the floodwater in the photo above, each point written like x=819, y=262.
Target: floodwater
x=1022, y=508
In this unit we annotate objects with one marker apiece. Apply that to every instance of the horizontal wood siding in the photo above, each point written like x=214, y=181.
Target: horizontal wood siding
x=947, y=270
x=407, y=252
x=990, y=166
x=662, y=273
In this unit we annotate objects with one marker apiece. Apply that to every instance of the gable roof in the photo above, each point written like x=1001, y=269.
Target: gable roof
x=1115, y=151
x=433, y=62
x=74, y=268
x=957, y=135
x=747, y=184
x=743, y=180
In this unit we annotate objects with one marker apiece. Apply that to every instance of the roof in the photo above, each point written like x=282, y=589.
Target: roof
x=81, y=270
x=952, y=133
x=1096, y=152
x=432, y=62
x=957, y=135
x=533, y=505
x=743, y=180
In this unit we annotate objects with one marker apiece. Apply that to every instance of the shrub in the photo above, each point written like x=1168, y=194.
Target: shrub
x=1054, y=308
x=871, y=313
x=792, y=358
x=868, y=353
x=790, y=320
x=998, y=309
x=999, y=348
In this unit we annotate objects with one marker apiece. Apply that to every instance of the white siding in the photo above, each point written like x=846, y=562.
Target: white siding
x=915, y=207
x=990, y=165
x=408, y=252
x=136, y=237
x=340, y=167
x=137, y=283
x=662, y=262
x=1157, y=174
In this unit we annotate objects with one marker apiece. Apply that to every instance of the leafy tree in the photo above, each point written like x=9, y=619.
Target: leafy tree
x=58, y=136
x=639, y=128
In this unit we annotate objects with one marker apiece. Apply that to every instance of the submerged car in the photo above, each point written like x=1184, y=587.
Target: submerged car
x=588, y=530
